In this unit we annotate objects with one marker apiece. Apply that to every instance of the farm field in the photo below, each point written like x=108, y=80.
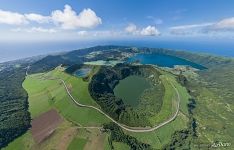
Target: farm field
x=117, y=75
x=45, y=95
x=44, y=125
x=49, y=94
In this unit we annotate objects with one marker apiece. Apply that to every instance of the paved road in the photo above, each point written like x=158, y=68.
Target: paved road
x=125, y=127
x=128, y=128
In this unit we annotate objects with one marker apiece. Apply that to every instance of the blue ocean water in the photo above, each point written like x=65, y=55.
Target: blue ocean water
x=12, y=51
x=163, y=60
x=214, y=47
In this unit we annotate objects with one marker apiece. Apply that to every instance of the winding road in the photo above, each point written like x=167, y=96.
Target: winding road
x=125, y=127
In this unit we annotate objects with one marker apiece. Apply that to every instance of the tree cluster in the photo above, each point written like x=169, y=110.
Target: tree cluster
x=117, y=135
x=14, y=116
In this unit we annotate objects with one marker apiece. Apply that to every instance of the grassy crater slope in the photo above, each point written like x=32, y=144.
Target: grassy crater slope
x=46, y=94
x=103, y=90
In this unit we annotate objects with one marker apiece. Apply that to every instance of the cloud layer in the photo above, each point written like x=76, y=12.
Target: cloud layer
x=34, y=29
x=224, y=25
x=83, y=24
x=147, y=31
x=38, y=18
x=12, y=18
x=66, y=19
x=150, y=31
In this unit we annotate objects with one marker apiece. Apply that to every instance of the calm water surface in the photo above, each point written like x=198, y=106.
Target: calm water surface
x=163, y=60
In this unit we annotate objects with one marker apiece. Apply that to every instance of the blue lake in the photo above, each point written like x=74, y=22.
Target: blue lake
x=83, y=72
x=163, y=60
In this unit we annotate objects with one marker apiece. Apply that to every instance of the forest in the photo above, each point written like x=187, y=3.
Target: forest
x=77, y=57
x=101, y=89
x=14, y=116
x=117, y=135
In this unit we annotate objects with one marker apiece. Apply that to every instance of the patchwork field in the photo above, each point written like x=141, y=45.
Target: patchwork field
x=49, y=95
x=45, y=95
x=44, y=125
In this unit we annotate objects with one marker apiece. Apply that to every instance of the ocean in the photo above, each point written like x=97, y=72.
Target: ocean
x=13, y=51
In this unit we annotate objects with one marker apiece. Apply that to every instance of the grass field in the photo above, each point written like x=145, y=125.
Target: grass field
x=47, y=94
x=163, y=135
x=24, y=142
x=120, y=146
x=167, y=109
x=56, y=139
x=77, y=143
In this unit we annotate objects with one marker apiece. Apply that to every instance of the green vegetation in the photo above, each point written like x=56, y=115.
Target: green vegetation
x=183, y=138
x=24, y=141
x=117, y=135
x=131, y=88
x=120, y=146
x=45, y=94
x=14, y=118
x=212, y=90
x=206, y=106
x=54, y=141
x=77, y=143
x=50, y=62
x=105, y=80
x=162, y=136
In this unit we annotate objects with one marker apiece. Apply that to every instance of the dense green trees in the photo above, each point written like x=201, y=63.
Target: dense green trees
x=101, y=89
x=117, y=135
x=77, y=57
x=14, y=115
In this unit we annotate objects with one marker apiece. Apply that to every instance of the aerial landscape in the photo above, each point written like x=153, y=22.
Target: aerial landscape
x=126, y=75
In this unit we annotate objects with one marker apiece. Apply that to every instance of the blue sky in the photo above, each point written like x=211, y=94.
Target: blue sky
x=60, y=20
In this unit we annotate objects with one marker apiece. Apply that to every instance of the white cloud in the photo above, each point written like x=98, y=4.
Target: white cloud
x=82, y=33
x=68, y=18
x=102, y=34
x=107, y=33
x=44, y=30
x=12, y=18
x=150, y=31
x=185, y=27
x=131, y=28
x=189, y=29
x=147, y=31
x=38, y=18
x=225, y=24
x=34, y=29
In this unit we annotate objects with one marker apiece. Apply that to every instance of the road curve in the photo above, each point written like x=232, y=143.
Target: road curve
x=125, y=127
